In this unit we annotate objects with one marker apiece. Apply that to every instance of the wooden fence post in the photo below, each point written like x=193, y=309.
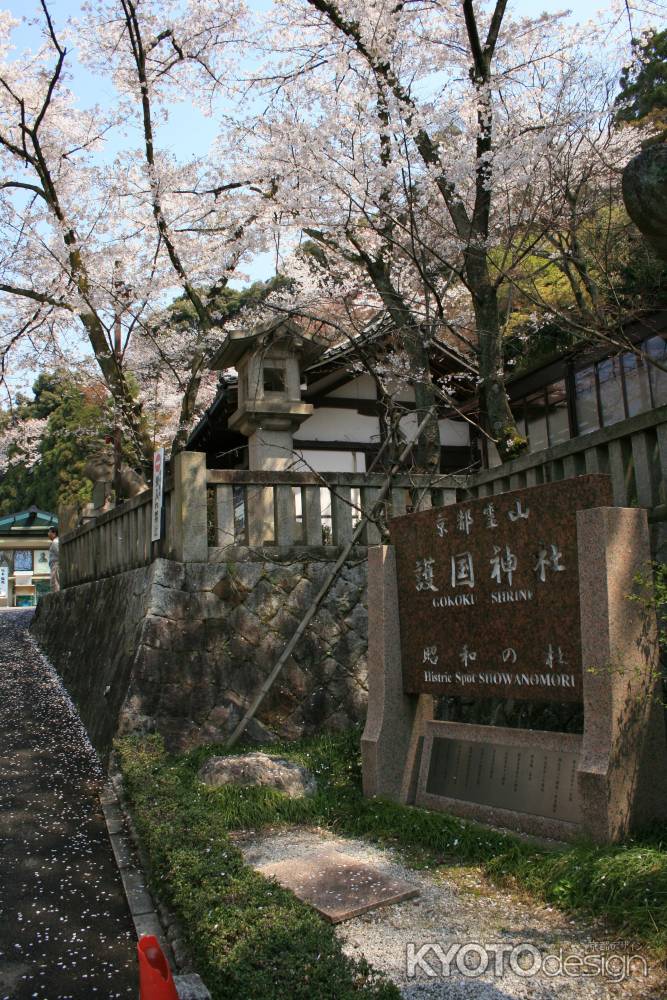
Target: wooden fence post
x=190, y=542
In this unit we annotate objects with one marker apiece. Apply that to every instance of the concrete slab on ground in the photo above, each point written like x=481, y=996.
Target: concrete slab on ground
x=338, y=886
x=456, y=905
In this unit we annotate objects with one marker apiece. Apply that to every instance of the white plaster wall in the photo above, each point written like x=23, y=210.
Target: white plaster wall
x=329, y=424
x=455, y=433
x=362, y=387
x=330, y=461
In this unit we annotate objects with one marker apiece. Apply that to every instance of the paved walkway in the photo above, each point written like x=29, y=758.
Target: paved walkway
x=65, y=931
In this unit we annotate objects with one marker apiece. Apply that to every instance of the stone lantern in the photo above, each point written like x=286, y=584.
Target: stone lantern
x=268, y=361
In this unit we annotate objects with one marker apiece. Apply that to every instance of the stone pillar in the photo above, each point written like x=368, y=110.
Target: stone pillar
x=270, y=450
x=190, y=541
x=102, y=492
x=623, y=768
x=391, y=740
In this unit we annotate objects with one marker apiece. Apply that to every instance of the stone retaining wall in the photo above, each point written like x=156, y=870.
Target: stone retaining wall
x=181, y=648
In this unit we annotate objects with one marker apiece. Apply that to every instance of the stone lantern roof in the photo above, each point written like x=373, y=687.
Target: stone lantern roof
x=281, y=333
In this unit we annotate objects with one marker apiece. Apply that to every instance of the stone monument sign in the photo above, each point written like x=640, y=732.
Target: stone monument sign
x=489, y=593
x=522, y=595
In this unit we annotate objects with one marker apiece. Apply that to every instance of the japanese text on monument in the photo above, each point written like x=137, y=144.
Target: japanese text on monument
x=489, y=593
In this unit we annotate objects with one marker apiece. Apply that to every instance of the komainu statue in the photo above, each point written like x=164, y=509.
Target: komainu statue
x=100, y=469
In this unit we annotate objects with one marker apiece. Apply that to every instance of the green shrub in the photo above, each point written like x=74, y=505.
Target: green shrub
x=250, y=938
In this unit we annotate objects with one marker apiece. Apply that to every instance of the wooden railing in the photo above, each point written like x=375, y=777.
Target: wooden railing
x=312, y=509
x=633, y=452
x=215, y=509
x=207, y=511
x=118, y=540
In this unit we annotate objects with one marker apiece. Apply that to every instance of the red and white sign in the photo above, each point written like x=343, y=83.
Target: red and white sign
x=158, y=491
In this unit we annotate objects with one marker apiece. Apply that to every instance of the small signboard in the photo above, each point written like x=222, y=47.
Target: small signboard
x=489, y=593
x=158, y=492
x=4, y=580
x=23, y=561
x=529, y=779
x=42, y=561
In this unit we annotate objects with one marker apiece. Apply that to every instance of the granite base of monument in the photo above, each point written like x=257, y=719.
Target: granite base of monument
x=623, y=765
x=603, y=784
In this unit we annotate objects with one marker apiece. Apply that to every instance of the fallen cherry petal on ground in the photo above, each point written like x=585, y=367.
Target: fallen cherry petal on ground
x=57, y=942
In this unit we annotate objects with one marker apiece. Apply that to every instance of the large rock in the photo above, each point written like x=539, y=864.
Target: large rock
x=645, y=195
x=259, y=769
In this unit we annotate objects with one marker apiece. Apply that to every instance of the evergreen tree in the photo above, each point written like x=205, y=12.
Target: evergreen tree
x=78, y=419
x=643, y=96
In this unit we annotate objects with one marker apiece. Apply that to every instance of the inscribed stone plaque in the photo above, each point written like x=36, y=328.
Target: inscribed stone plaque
x=532, y=780
x=489, y=593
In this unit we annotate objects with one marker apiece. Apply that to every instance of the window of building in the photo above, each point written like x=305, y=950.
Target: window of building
x=541, y=417
x=557, y=413
x=610, y=380
x=637, y=391
x=519, y=416
x=493, y=458
x=656, y=347
x=586, y=400
x=604, y=393
x=536, y=415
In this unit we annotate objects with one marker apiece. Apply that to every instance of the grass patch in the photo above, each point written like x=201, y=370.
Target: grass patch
x=251, y=938
x=248, y=937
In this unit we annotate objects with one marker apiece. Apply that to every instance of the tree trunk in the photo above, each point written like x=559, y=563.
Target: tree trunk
x=427, y=450
x=188, y=404
x=117, y=384
x=496, y=415
x=426, y=453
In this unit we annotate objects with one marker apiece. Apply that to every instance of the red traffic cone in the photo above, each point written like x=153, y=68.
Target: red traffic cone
x=155, y=979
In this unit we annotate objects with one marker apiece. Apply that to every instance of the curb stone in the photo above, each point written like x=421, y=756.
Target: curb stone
x=189, y=985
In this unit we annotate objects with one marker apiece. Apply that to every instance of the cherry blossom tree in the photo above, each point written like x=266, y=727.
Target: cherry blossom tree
x=438, y=154
x=96, y=234
x=54, y=209
x=19, y=443
x=442, y=149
